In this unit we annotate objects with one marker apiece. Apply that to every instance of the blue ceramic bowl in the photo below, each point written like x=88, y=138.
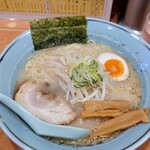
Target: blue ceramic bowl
x=118, y=38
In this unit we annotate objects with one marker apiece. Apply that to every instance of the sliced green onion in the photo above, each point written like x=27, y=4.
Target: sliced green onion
x=86, y=73
x=93, y=64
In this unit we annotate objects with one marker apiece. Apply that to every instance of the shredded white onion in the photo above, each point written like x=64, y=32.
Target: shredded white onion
x=89, y=97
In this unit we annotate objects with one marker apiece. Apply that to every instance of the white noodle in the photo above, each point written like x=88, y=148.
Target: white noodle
x=103, y=89
x=80, y=94
x=67, y=94
x=62, y=58
x=58, y=64
x=84, y=91
x=63, y=85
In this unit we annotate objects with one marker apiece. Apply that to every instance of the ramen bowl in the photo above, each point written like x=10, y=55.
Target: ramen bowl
x=120, y=39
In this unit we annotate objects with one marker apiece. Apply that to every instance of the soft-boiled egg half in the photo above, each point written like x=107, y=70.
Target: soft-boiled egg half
x=115, y=66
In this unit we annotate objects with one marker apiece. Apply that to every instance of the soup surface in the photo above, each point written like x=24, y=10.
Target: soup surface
x=56, y=66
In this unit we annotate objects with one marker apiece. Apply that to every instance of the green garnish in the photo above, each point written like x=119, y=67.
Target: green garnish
x=86, y=73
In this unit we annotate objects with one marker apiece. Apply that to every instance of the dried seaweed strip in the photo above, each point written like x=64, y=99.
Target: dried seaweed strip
x=57, y=22
x=49, y=37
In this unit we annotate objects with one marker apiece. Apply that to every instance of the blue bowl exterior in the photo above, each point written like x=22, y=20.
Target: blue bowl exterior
x=118, y=38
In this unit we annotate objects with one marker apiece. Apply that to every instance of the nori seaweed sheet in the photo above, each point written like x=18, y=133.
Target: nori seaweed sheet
x=49, y=37
x=49, y=32
x=57, y=22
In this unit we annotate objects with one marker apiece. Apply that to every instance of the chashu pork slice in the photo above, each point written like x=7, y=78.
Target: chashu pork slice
x=37, y=99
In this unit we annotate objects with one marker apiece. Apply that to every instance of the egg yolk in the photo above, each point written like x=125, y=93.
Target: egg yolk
x=114, y=67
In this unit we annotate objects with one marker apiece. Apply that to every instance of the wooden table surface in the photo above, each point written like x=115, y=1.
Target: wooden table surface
x=10, y=29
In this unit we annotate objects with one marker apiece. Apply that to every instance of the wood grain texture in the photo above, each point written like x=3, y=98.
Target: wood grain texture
x=8, y=31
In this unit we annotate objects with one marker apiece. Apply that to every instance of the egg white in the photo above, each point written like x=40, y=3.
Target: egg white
x=102, y=58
